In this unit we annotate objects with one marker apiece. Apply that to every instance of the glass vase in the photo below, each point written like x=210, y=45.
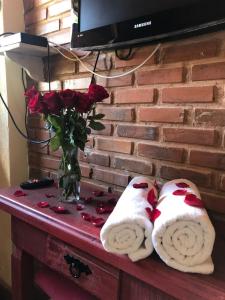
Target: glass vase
x=70, y=175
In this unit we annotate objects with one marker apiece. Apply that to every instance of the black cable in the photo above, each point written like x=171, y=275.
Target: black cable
x=18, y=129
x=124, y=57
x=26, y=110
x=93, y=75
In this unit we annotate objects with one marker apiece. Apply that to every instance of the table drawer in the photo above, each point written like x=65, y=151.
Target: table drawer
x=103, y=280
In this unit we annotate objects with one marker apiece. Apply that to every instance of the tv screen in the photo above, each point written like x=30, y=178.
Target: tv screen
x=107, y=24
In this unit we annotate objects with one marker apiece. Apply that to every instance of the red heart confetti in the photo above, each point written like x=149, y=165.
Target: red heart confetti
x=50, y=196
x=19, y=193
x=87, y=199
x=151, y=198
x=59, y=209
x=86, y=216
x=182, y=185
x=98, y=222
x=80, y=207
x=98, y=193
x=149, y=211
x=106, y=209
x=193, y=200
x=180, y=192
x=155, y=214
x=142, y=185
x=43, y=204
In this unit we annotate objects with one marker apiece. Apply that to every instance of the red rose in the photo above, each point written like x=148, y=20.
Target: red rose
x=97, y=93
x=36, y=105
x=68, y=98
x=84, y=103
x=31, y=92
x=53, y=102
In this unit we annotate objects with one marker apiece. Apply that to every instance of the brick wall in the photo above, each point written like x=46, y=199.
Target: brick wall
x=166, y=120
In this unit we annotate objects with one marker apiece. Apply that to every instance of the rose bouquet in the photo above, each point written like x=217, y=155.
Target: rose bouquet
x=71, y=116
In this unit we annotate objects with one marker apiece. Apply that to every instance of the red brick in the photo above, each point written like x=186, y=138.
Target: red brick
x=28, y=4
x=43, y=161
x=214, y=202
x=100, y=159
x=66, y=22
x=213, y=117
x=222, y=183
x=138, y=56
x=107, y=131
x=59, y=8
x=42, y=135
x=104, y=63
x=112, y=177
x=85, y=183
x=161, y=152
x=137, y=132
x=115, y=145
x=204, y=136
x=55, y=86
x=116, y=82
x=142, y=95
x=159, y=76
x=188, y=94
x=61, y=66
x=86, y=170
x=193, y=51
x=134, y=165
x=162, y=115
x=212, y=71
x=35, y=16
x=200, y=178
x=38, y=148
x=41, y=2
x=41, y=29
x=117, y=113
x=37, y=173
x=208, y=159
x=77, y=84
x=60, y=37
x=58, y=153
x=36, y=122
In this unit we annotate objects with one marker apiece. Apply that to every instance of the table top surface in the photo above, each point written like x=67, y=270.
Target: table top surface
x=72, y=229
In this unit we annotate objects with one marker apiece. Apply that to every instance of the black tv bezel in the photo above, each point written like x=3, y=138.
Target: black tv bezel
x=123, y=34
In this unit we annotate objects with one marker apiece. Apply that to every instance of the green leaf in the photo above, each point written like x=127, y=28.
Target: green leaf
x=55, y=143
x=96, y=117
x=96, y=125
x=56, y=122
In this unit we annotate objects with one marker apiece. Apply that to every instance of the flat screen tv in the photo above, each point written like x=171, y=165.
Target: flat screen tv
x=113, y=24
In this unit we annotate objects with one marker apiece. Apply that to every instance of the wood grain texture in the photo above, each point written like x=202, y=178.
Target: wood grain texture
x=82, y=238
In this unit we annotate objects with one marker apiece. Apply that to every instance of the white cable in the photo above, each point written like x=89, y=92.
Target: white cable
x=105, y=76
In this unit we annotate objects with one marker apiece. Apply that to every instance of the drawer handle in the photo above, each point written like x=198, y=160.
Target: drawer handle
x=76, y=267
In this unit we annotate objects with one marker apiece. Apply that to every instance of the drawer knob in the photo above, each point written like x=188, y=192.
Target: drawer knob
x=76, y=267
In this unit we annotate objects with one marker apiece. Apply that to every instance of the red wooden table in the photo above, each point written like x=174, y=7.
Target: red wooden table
x=42, y=237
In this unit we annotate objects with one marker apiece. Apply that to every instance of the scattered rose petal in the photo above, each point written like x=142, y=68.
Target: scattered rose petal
x=86, y=216
x=151, y=198
x=59, y=209
x=87, y=199
x=19, y=193
x=43, y=204
x=180, y=192
x=98, y=193
x=50, y=196
x=142, y=185
x=149, y=211
x=193, y=200
x=155, y=214
x=80, y=207
x=105, y=209
x=182, y=185
x=98, y=222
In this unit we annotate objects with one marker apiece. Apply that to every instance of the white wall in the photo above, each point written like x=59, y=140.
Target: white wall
x=13, y=149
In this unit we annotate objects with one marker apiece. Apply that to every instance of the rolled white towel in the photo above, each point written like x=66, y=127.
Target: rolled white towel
x=128, y=229
x=183, y=235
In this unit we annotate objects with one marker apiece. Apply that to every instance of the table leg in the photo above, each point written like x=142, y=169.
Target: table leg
x=22, y=275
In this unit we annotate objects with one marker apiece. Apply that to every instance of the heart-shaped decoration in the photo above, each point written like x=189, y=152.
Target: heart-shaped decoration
x=19, y=193
x=151, y=198
x=182, y=185
x=141, y=185
x=193, y=200
x=180, y=192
